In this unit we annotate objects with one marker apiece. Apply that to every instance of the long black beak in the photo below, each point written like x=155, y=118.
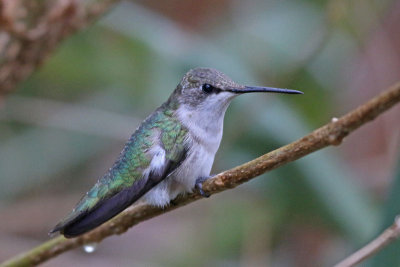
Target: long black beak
x=255, y=89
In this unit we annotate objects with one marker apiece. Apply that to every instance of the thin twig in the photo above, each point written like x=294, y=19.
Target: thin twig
x=389, y=235
x=330, y=134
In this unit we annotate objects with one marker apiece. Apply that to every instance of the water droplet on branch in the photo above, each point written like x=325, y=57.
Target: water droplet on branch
x=90, y=248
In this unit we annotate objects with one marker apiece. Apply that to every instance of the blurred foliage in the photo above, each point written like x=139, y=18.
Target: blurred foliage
x=66, y=124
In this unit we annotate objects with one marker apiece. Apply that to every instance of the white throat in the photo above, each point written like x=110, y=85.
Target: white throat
x=204, y=124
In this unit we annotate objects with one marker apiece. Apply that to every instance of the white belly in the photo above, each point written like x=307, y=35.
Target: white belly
x=198, y=163
x=204, y=137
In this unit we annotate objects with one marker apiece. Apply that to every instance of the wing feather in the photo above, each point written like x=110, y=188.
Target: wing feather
x=107, y=208
x=143, y=163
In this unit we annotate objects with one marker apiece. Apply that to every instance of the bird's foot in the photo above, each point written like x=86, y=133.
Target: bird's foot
x=199, y=185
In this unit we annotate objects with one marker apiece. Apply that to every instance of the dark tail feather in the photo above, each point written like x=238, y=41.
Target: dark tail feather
x=104, y=211
x=110, y=207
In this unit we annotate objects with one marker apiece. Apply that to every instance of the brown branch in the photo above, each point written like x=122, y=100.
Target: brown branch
x=30, y=30
x=330, y=134
x=389, y=235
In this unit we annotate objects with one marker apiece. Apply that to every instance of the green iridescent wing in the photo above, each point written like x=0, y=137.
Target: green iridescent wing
x=124, y=183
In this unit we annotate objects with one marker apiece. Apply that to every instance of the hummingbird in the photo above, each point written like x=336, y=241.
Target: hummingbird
x=170, y=153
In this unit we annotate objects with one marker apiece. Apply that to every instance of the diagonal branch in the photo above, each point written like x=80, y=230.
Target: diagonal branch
x=330, y=134
x=389, y=235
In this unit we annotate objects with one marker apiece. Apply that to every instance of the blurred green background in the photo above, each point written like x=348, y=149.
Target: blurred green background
x=65, y=125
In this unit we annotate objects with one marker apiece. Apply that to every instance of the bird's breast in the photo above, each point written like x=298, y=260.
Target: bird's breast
x=198, y=162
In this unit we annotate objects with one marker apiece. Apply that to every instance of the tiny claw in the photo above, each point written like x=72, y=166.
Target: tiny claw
x=199, y=186
x=173, y=202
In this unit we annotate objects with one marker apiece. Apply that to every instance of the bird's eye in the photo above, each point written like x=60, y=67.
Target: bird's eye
x=207, y=88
